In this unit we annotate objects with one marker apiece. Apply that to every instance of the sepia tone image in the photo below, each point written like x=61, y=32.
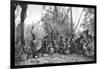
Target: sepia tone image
x=46, y=34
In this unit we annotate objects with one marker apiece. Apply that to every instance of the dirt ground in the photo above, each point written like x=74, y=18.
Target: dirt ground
x=55, y=58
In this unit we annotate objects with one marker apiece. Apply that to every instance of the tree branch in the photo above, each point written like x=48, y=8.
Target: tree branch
x=79, y=19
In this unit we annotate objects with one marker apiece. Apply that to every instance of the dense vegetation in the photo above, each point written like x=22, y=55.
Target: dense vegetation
x=57, y=35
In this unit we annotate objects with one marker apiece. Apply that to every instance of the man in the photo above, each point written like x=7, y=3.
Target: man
x=56, y=45
x=61, y=44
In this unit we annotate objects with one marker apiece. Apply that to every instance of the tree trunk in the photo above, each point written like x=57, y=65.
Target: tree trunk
x=23, y=15
x=79, y=19
x=71, y=21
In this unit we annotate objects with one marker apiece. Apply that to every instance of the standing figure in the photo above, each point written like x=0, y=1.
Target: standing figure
x=32, y=43
x=61, y=44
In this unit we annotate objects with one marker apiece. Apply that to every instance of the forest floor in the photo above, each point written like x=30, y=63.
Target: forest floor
x=56, y=58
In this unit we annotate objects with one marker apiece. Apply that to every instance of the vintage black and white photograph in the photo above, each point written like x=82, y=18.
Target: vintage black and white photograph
x=47, y=34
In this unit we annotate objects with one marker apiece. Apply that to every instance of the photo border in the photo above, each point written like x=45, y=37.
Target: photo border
x=12, y=33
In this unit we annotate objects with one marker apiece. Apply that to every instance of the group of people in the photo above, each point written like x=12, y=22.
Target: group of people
x=58, y=44
x=54, y=44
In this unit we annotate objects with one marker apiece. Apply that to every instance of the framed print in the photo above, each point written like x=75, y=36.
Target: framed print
x=52, y=34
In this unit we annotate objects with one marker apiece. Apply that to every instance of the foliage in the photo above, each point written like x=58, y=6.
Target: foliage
x=88, y=21
x=57, y=20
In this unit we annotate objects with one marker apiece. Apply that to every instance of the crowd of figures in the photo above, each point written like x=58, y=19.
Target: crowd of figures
x=59, y=44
